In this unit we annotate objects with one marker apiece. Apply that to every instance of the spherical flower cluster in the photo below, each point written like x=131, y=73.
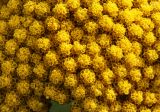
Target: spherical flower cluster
x=70, y=64
x=137, y=97
x=11, y=47
x=115, y=52
x=56, y=77
x=52, y=24
x=84, y=60
x=111, y=8
x=23, y=54
x=70, y=81
x=124, y=87
x=97, y=55
x=23, y=87
x=87, y=76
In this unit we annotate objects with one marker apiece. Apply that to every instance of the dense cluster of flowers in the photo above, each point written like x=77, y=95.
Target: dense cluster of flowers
x=102, y=54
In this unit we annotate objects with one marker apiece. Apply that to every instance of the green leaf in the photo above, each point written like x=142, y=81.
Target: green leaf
x=56, y=107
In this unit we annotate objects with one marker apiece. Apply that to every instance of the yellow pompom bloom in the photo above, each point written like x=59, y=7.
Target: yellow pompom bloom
x=110, y=95
x=95, y=9
x=67, y=25
x=89, y=104
x=77, y=34
x=60, y=11
x=135, y=31
x=107, y=76
x=35, y=58
x=81, y=14
x=23, y=71
x=43, y=44
x=106, y=23
x=120, y=70
x=146, y=9
x=52, y=24
x=150, y=99
x=12, y=99
x=144, y=109
x=104, y=40
x=93, y=48
x=149, y=39
x=39, y=71
x=125, y=45
x=23, y=87
x=135, y=74
x=4, y=12
x=129, y=107
x=99, y=63
x=79, y=92
x=8, y=67
x=14, y=5
x=31, y=42
x=114, y=52
x=78, y=48
x=34, y=104
x=3, y=27
x=51, y=58
x=137, y=97
x=129, y=16
x=136, y=48
x=73, y=4
x=156, y=18
x=151, y=55
x=146, y=24
x=65, y=49
x=91, y=27
x=132, y=60
x=42, y=9
x=102, y=108
x=36, y=28
x=50, y=92
x=14, y=22
x=93, y=90
x=5, y=108
x=37, y=86
x=11, y=47
x=124, y=87
x=62, y=36
x=61, y=97
x=116, y=106
x=148, y=72
x=56, y=77
x=20, y=35
x=125, y=4
x=110, y=8
x=23, y=54
x=70, y=64
x=155, y=5
x=5, y=81
x=118, y=30
x=70, y=81
x=143, y=84
x=29, y=7
x=84, y=60
x=87, y=76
